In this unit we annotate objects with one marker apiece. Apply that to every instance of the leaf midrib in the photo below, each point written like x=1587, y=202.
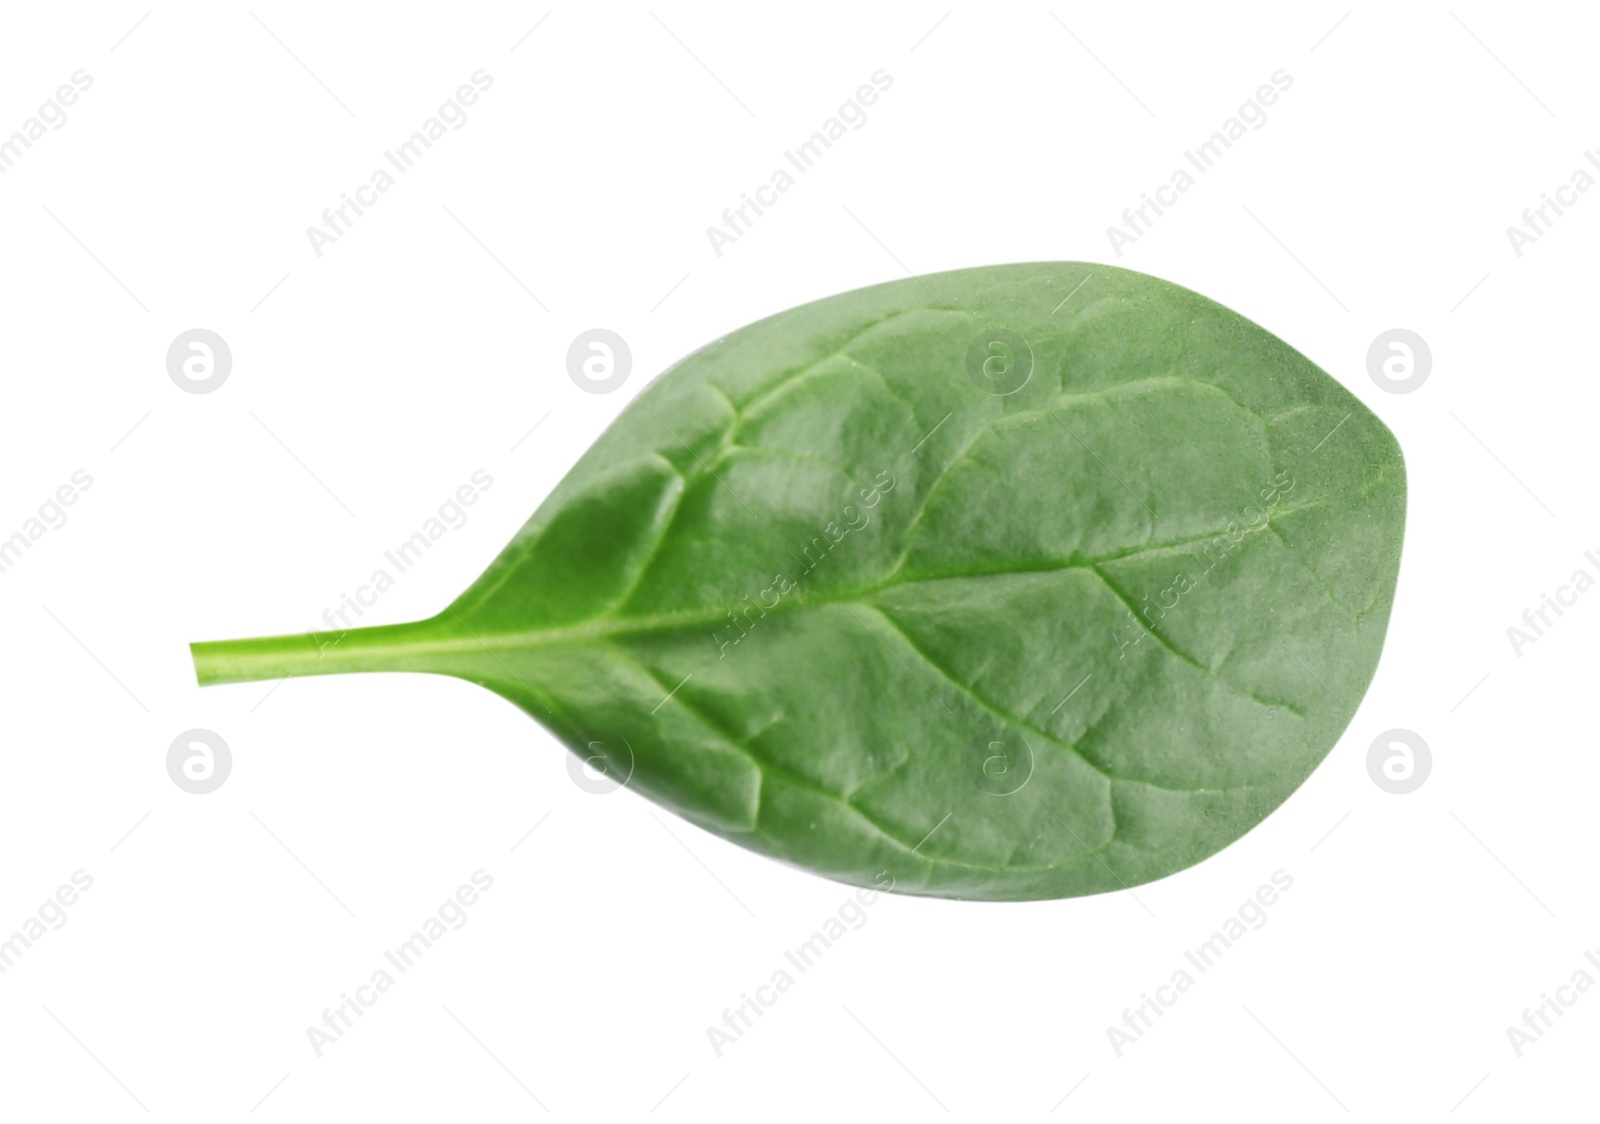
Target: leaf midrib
x=609, y=627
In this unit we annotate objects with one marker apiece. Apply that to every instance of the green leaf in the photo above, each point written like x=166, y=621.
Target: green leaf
x=1018, y=582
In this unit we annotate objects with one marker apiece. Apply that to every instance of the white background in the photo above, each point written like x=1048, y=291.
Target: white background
x=369, y=383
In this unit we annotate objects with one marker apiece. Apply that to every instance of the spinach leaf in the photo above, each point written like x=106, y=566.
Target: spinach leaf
x=1018, y=582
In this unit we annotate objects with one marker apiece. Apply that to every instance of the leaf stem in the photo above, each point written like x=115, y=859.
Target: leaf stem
x=382, y=648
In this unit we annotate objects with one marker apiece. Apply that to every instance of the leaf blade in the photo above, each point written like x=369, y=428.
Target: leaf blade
x=847, y=607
